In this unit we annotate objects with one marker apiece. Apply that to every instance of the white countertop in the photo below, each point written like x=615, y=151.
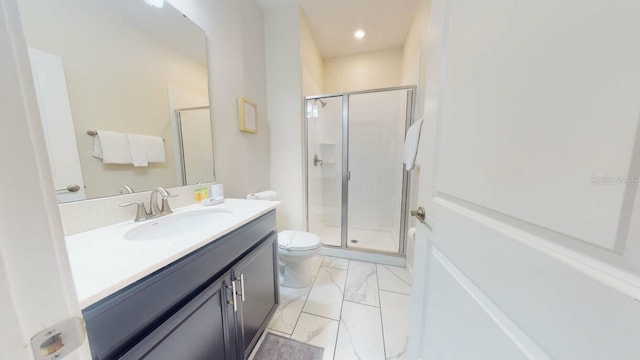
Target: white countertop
x=103, y=261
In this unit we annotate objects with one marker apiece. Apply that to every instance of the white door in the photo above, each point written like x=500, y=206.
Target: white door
x=55, y=113
x=36, y=287
x=530, y=158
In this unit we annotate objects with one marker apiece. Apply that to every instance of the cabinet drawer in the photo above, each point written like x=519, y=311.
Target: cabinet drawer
x=117, y=322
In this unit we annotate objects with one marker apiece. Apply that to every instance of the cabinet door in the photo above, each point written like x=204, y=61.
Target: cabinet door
x=203, y=329
x=257, y=276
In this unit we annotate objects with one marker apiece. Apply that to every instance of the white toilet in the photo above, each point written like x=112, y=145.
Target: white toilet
x=295, y=249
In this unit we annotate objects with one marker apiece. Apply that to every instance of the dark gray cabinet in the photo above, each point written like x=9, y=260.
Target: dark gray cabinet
x=188, y=309
x=258, y=293
x=203, y=329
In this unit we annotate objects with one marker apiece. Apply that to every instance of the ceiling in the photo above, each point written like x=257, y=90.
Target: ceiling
x=333, y=23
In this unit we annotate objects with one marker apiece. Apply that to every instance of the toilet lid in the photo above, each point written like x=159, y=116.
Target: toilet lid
x=297, y=240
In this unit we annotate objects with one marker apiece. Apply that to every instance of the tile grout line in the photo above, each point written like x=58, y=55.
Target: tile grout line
x=402, y=280
x=311, y=287
x=357, y=303
x=384, y=346
x=335, y=346
x=320, y=316
x=305, y=299
x=395, y=292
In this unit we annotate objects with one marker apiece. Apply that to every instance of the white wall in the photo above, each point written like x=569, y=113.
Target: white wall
x=414, y=54
x=108, y=90
x=311, y=63
x=414, y=60
x=236, y=56
x=312, y=78
x=284, y=96
x=363, y=71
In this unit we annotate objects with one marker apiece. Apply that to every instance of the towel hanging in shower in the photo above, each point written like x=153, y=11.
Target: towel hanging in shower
x=412, y=140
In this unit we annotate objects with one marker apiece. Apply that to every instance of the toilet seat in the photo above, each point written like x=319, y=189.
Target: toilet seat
x=293, y=240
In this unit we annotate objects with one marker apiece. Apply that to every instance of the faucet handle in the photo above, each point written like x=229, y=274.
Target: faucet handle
x=168, y=195
x=141, y=211
x=165, y=208
x=164, y=193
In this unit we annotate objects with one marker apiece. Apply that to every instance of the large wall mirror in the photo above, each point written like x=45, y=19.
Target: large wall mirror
x=127, y=68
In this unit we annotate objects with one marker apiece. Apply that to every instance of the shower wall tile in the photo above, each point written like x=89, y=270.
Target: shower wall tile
x=376, y=133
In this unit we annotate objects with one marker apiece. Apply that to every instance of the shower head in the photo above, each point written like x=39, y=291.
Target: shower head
x=322, y=103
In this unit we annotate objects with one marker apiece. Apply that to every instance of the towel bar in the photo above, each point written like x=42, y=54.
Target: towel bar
x=95, y=133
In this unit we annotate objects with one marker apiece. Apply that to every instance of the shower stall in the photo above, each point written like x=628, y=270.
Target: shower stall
x=356, y=185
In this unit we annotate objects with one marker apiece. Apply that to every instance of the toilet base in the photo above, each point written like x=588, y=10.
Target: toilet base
x=296, y=274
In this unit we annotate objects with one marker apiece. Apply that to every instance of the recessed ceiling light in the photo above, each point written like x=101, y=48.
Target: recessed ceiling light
x=359, y=34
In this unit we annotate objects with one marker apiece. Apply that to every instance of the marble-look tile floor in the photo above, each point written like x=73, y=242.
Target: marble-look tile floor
x=353, y=309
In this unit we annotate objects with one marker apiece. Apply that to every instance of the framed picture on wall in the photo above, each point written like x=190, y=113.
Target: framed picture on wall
x=247, y=115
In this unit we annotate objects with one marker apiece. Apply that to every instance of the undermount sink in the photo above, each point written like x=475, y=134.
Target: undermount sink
x=179, y=224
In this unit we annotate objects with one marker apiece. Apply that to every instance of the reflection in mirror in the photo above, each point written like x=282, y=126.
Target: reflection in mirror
x=194, y=129
x=124, y=67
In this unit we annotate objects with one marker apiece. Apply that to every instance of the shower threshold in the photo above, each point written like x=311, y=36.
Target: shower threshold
x=365, y=239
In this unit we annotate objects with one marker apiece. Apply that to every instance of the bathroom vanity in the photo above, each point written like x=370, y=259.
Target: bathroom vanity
x=206, y=294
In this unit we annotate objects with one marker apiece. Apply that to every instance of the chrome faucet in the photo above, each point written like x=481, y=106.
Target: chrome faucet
x=154, y=211
x=164, y=208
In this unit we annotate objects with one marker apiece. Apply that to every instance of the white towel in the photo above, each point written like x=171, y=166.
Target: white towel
x=411, y=144
x=112, y=147
x=146, y=149
x=263, y=195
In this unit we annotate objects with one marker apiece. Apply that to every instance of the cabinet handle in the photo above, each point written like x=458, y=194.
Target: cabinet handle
x=241, y=279
x=233, y=296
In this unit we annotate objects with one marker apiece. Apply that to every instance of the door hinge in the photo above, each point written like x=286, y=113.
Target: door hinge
x=59, y=340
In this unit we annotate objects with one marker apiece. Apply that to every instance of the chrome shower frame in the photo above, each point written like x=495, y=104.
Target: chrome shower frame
x=410, y=114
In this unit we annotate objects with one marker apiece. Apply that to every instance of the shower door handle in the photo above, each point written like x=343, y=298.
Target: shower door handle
x=316, y=160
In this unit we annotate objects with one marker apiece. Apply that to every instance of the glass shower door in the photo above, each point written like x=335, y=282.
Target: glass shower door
x=324, y=168
x=376, y=127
